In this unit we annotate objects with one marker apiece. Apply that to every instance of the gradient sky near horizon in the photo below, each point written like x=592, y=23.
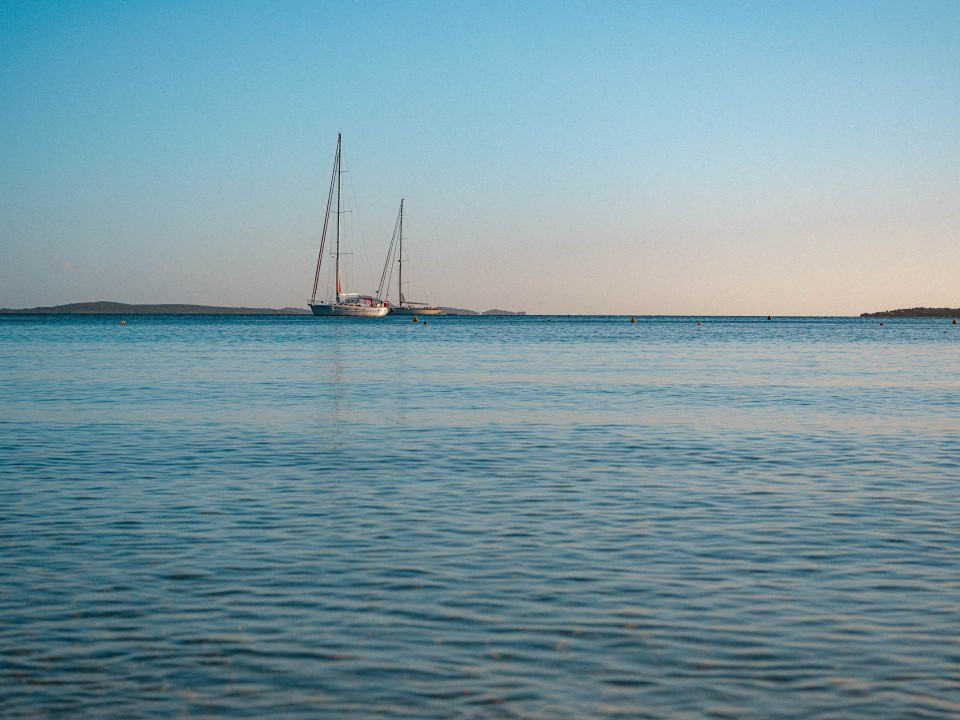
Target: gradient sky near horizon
x=749, y=158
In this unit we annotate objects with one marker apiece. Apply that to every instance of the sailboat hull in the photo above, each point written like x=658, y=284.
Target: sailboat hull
x=341, y=310
x=416, y=311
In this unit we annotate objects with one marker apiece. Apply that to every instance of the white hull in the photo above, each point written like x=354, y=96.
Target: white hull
x=341, y=310
x=416, y=311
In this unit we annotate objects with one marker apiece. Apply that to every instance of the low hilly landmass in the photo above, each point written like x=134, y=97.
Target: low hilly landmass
x=916, y=312
x=104, y=307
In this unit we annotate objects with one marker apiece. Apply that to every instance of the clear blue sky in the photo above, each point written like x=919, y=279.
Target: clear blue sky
x=596, y=157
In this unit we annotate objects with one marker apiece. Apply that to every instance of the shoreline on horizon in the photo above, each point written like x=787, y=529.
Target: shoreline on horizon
x=106, y=307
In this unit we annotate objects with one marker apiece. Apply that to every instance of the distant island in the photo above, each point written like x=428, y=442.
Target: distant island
x=104, y=307
x=917, y=312
x=502, y=312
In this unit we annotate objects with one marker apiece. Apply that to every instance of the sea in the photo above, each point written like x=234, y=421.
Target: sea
x=479, y=517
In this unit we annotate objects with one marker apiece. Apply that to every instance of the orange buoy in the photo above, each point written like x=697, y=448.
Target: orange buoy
x=416, y=319
x=954, y=321
x=123, y=322
x=632, y=319
x=698, y=323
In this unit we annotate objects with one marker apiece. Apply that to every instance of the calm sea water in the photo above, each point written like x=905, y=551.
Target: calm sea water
x=523, y=517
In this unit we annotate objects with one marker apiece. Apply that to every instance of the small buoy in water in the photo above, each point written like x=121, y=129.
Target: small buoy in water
x=424, y=323
x=123, y=322
x=954, y=321
x=769, y=318
x=416, y=319
x=632, y=319
x=881, y=324
x=698, y=323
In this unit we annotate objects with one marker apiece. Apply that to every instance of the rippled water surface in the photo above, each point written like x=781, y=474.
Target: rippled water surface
x=479, y=517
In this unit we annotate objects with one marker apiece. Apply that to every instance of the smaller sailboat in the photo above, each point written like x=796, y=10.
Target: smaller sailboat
x=403, y=306
x=342, y=304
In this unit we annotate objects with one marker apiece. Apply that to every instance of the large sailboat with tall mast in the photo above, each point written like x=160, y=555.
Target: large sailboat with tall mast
x=343, y=304
x=403, y=306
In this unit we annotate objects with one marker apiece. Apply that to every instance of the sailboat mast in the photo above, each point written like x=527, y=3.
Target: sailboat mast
x=339, y=193
x=326, y=222
x=400, y=257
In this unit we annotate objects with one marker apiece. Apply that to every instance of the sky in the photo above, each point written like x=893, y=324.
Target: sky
x=683, y=158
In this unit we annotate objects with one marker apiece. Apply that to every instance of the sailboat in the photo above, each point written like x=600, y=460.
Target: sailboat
x=403, y=306
x=343, y=304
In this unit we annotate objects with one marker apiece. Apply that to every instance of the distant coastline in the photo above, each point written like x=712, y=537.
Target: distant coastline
x=916, y=312
x=104, y=307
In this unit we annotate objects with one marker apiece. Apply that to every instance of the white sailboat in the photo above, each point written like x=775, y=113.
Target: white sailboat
x=403, y=306
x=343, y=304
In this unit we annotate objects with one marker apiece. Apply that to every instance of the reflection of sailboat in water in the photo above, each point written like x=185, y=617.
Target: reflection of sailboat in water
x=403, y=306
x=343, y=304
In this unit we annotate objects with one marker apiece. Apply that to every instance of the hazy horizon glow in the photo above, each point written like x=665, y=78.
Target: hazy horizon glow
x=568, y=157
